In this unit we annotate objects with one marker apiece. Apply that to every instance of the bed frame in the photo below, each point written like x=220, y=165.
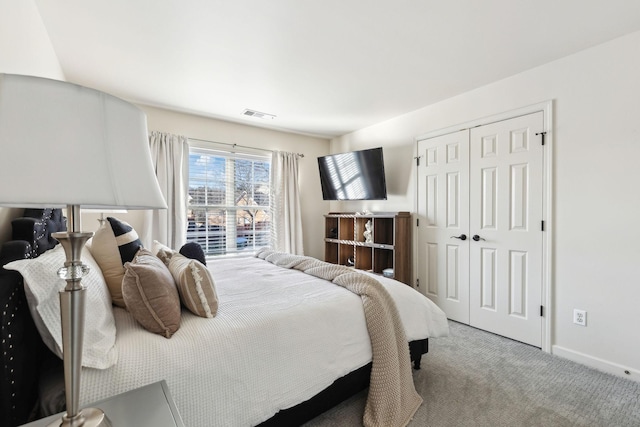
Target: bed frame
x=26, y=359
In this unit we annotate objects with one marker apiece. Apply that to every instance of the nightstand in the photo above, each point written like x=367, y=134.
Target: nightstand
x=148, y=406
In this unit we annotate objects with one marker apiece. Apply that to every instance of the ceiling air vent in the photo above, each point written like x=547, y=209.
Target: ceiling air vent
x=257, y=114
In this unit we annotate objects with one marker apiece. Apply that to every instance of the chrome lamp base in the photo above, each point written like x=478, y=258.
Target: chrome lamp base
x=88, y=417
x=72, y=314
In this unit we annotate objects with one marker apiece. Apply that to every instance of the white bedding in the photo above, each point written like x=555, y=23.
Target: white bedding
x=279, y=338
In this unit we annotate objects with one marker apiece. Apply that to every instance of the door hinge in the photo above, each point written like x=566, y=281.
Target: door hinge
x=543, y=135
x=417, y=283
x=541, y=311
x=542, y=225
x=417, y=160
x=417, y=222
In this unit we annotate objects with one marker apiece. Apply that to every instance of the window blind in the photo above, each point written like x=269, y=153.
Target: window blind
x=229, y=210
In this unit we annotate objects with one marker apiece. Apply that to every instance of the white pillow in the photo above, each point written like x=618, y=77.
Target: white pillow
x=41, y=287
x=162, y=251
x=157, y=246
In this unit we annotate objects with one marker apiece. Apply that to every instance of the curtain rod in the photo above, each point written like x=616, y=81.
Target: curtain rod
x=241, y=146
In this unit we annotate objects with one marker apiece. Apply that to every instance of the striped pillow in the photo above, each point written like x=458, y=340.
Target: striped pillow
x=195, y=285
x=126, y=239
x=113, y=244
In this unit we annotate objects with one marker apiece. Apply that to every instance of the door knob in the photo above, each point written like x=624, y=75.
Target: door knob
x=461, y=237
x=476, y=238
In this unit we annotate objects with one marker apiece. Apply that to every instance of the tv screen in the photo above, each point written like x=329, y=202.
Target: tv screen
x=357, y=175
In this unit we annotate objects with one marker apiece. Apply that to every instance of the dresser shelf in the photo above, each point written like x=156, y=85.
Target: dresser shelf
x=388, y=248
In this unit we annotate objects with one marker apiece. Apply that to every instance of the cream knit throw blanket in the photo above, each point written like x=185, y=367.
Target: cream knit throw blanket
x=392, y=399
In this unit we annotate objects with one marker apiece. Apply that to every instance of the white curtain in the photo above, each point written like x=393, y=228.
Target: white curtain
x=286, y=229
x=170, y=156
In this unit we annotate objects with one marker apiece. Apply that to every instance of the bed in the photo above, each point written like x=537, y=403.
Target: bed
x=283, y=346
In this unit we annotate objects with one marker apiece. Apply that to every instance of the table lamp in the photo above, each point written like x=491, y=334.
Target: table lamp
x=64, y=145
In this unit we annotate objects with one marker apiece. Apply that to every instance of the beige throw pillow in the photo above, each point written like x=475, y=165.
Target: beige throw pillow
x=195, y=285
x=104, y=249
x=150, y=294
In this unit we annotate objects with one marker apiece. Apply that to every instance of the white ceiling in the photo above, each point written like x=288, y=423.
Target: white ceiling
x=324, y=67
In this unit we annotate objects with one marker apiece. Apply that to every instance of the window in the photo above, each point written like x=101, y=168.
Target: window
x=228, y=209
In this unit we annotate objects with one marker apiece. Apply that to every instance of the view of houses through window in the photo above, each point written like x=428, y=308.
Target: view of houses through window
x=228, y=210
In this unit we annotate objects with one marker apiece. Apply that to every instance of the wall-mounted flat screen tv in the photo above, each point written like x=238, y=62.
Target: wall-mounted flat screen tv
x=356, y=175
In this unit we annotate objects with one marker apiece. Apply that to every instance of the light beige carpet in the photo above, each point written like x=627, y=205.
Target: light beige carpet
x=474, y=378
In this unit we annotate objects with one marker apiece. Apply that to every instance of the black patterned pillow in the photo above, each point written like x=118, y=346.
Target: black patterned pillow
x=126, y=238
x=36, y=225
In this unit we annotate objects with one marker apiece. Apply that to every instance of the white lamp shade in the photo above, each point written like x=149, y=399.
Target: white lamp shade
x=63, y=144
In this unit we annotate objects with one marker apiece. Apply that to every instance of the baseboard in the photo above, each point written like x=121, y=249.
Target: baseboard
x=599, y=364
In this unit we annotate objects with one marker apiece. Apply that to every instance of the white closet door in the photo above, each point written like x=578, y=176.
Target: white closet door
x=484, y=185
x=506, y=166
x=443, y=232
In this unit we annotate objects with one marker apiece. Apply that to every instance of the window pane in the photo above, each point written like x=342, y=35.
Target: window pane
x=229, y=202
x=207, y=227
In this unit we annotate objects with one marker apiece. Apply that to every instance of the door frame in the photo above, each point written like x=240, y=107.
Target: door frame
x=547, y=199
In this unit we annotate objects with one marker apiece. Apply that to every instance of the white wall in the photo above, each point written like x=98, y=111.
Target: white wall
x=25, y=48
x=596, y=247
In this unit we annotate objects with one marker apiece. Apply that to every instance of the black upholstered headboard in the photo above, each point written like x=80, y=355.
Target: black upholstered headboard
x=23, y=352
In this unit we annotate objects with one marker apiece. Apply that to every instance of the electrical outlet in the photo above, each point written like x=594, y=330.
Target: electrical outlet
x=580, y=317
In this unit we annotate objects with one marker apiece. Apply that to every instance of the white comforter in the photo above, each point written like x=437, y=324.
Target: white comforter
x=280, y=337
